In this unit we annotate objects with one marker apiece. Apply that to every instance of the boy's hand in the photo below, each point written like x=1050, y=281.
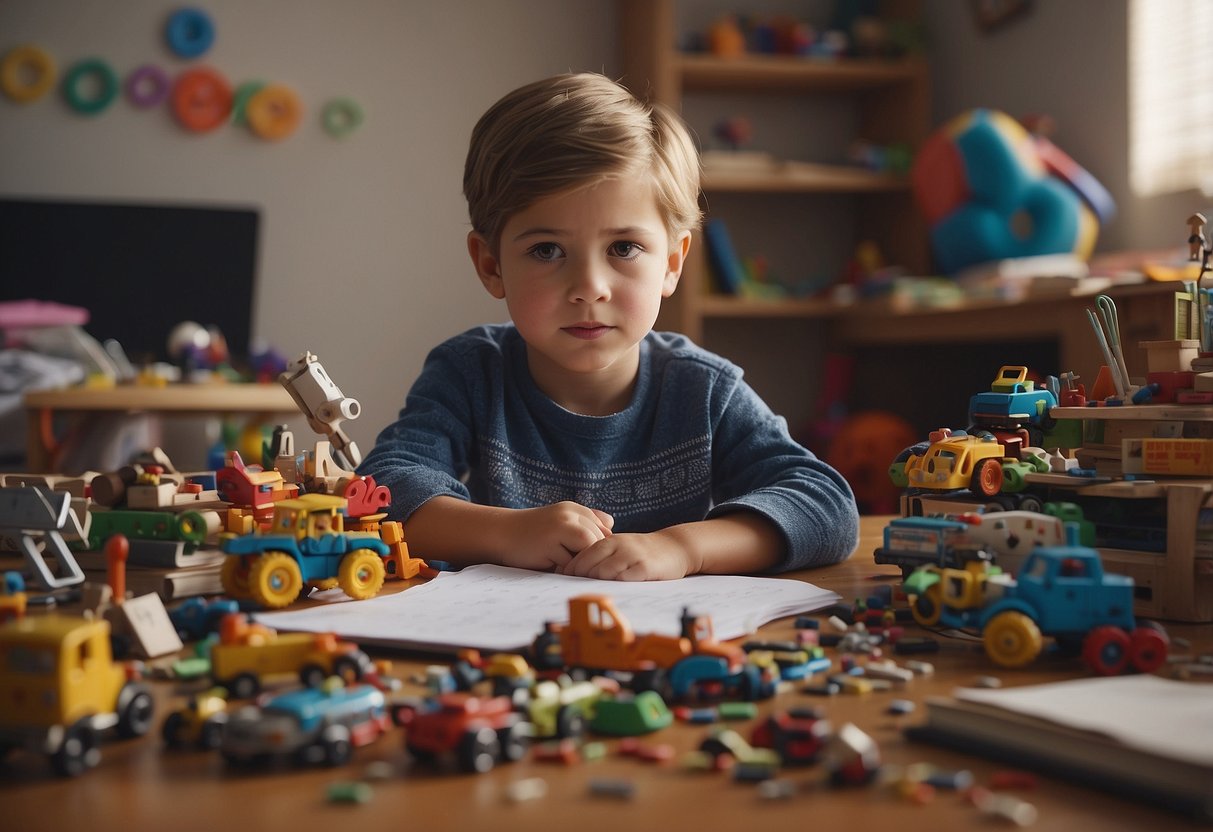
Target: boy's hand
x=657, y=556
x=550, y=536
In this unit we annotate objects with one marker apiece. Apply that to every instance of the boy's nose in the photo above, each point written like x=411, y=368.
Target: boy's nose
x=589, y=284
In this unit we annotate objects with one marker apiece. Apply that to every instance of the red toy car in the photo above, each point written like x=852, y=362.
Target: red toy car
x=479, y=731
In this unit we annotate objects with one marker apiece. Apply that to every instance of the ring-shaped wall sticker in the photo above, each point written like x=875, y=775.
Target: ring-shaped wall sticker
x=201, y=99
x=90, y=86
x=26, y=73
x=244, y=91
x=147, y=86
x=274, y=112
x=189, y=32
x=341, y=116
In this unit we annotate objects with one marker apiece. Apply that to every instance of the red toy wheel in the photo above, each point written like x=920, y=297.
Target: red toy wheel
x=1147, y=649
x=1106, y=650
x=987, y=478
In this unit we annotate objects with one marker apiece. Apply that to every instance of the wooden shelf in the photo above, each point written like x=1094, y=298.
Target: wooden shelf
x=728, y=306
x=803, y=177
x=175, y=398
x=783, y=74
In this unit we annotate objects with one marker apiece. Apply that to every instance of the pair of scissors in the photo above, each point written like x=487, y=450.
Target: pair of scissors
x=1111, y=326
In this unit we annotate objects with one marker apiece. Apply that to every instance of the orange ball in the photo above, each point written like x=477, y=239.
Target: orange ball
x=862, y=450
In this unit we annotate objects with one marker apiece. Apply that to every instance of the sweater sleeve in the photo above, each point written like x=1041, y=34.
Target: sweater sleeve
x=425, y=452
x=760, y=468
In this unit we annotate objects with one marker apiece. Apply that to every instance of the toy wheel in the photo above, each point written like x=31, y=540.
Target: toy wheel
x=478, y=750
x=1106, y=650
x=361, y=574
x=325, y=583
x=191, y=527
x=274, y=580
x=312, y=675
x=233, y=575
x=1148, y=649
x=77, y=752
x=349, y=667
x=172, y=731
x=1030, y=503
x=244, y=686
x=337, y=747
x=987, y=478
x=1012, y=639
x=135, y=711
x=569, y=722
x=512, y=743
x=211, y=735
x=928, y=607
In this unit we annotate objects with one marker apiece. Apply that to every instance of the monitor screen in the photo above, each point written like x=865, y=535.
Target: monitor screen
x=139, y=269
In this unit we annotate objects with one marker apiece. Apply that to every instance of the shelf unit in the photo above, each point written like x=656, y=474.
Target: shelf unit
x=891, y=103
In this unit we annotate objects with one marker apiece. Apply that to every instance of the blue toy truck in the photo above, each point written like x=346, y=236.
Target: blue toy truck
x=1060, y=591
x=305, y=544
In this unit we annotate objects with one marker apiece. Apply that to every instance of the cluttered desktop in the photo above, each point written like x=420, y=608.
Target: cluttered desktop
x=259, y=643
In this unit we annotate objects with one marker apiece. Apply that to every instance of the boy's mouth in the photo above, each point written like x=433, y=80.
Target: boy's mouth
x=588, y=331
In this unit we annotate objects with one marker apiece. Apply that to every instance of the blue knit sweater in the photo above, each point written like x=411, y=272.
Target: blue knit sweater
x=695, y=442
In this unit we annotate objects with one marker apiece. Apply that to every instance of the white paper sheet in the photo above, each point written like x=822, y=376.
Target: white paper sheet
x=1163, y=716
x=501, y=608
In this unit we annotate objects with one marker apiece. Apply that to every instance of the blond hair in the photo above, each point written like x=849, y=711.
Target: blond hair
x=573, y=131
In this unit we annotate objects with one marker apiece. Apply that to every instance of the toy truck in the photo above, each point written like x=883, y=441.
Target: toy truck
x=479, y=731
x=61, y=689
x=1014, y=405
x=1061, y=591
x=246, y=652
x=305, y=544
x=597, y=637
x=948, y=542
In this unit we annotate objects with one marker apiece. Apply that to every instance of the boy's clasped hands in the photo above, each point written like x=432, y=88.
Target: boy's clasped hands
x=571, y=539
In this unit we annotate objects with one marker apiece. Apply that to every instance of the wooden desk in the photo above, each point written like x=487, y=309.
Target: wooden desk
x=259, y=401
x=139, y=785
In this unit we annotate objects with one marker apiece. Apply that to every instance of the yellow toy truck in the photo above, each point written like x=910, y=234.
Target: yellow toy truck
x=246, y=652
x=61, y=688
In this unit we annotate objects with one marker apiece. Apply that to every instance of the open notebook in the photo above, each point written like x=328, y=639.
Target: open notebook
x=502, y=609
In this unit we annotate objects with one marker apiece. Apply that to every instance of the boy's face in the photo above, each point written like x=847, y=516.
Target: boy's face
x=583, y=274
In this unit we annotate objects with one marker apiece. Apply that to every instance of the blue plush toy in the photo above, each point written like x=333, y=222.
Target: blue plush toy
x=992, y=191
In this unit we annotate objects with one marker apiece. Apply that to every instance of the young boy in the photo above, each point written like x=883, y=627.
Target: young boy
x=576, y=439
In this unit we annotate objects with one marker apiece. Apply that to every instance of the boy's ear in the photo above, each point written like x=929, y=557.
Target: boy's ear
x=677, y=259
x=488, y=267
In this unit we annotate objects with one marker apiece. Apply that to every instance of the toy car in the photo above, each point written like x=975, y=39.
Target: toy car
x=311, y=725
x=479, y=731
x=798, y=735
x=196, y=618
x=199, y=723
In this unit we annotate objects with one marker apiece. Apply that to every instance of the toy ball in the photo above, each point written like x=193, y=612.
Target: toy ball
x=862, y=450
x=988, y=194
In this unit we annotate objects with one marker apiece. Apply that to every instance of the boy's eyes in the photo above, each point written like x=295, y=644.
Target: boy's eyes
x=625, y=249
x=544, y=251
x=551, y=251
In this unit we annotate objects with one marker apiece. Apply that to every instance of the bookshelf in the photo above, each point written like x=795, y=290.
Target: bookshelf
x=805, y=214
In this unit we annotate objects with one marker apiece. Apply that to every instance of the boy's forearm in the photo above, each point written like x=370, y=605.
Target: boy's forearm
x=735, y=543
x=456, y=531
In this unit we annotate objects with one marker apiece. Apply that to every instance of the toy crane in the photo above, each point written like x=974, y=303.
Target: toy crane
x=324, y=405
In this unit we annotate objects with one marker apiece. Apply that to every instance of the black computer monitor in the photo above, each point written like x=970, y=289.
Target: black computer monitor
x=139, y=269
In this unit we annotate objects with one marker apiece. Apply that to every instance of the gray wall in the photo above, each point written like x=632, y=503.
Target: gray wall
x=1066, y=58
x=362, y=253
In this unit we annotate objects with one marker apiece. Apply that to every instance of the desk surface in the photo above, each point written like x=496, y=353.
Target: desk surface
x=139, y=785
